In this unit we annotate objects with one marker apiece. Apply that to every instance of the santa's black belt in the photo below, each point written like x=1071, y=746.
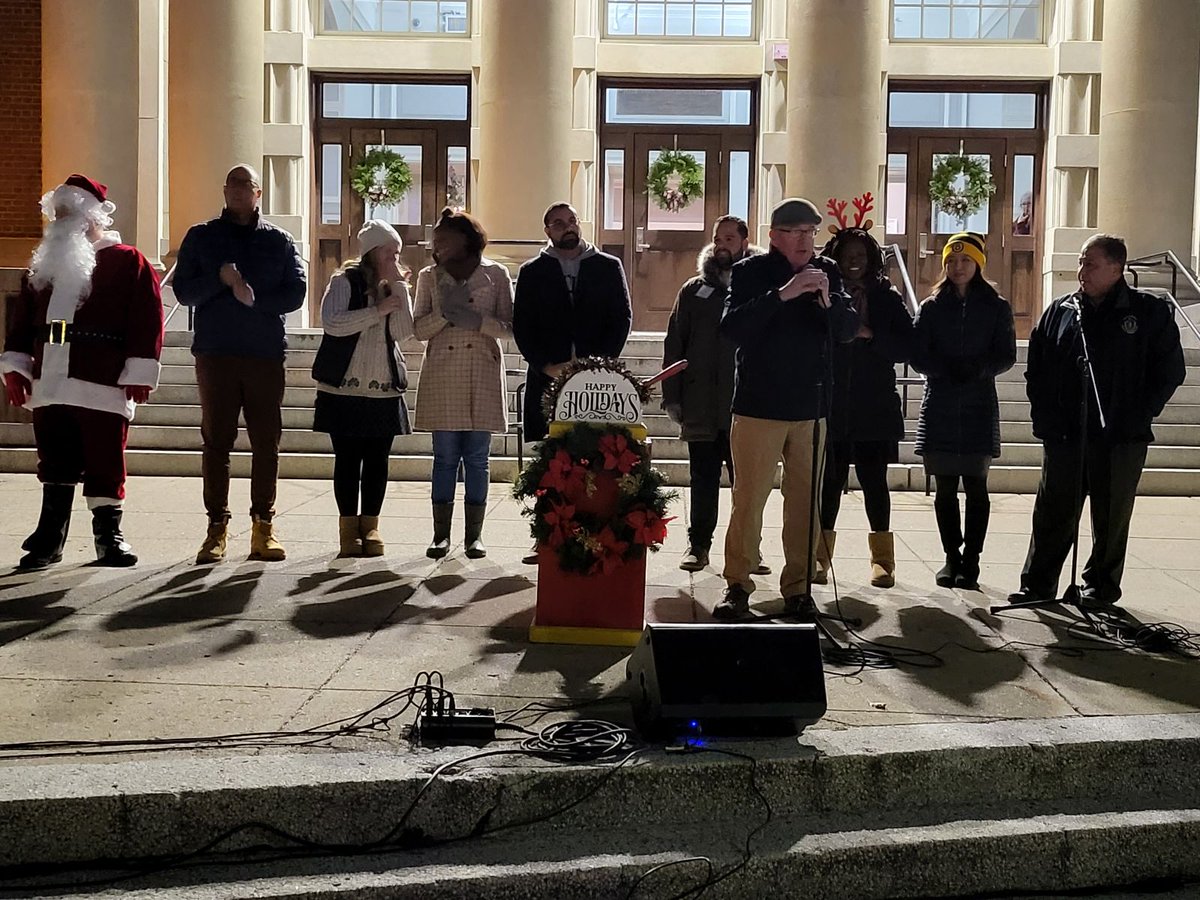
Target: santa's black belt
x=60, y=332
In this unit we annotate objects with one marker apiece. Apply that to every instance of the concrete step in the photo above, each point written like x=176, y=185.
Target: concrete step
x=871, y=813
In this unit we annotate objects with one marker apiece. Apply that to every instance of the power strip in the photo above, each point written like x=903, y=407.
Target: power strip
x=458, y=726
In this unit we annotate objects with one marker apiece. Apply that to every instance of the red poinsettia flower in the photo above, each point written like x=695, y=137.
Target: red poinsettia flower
x=617, y=454
x=563, y=475
x=611, y=555
x=561, y=519
x=648, y=527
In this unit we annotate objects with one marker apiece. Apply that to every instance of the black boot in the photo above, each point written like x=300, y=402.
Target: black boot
x=45, y=545
x=443, y=514
x=948, y=574
x=973, y=535
x=111, y=547
x=945, y=509
x=473, y=537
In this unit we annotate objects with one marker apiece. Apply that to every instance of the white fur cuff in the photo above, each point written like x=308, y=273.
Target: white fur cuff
x=139, y=371
x=11, y=361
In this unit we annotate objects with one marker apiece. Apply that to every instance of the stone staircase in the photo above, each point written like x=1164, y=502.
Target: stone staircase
x=165, y=438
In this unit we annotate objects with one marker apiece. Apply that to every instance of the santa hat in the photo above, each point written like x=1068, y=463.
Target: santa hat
x=82, y=195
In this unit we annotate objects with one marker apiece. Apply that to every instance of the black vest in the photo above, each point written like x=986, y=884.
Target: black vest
x=335, y=353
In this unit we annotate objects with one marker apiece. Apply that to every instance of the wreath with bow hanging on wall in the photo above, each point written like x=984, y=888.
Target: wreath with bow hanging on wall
x=675, y=180
x=381, y=177
x=961, y=200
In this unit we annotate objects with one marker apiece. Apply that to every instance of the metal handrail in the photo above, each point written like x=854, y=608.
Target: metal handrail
x=909, y=292
x=1168, y=258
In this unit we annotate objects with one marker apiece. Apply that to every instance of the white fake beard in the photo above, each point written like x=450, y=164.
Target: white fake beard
x=65, y=260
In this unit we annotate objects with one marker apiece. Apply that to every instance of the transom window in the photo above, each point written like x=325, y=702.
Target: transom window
x=395, y=16
x=679, y=18
x=354, y=100
x=968, y=20
x=965, y=109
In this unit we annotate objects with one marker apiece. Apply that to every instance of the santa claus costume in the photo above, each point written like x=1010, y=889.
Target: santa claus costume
x=82, y=351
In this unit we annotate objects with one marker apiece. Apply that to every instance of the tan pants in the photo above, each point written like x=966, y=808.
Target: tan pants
x=758, y=446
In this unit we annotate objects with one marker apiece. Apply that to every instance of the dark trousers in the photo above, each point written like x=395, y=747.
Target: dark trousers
x=360, y=461
x=957, y=537
x=76, y=444
x=705, y=460
x=870, y=465
x=1110, y=478
x=229, y=386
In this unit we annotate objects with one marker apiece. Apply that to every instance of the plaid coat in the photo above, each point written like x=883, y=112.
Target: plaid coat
x=462, y=386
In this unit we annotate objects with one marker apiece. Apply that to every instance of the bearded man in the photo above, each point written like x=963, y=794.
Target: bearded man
x=82, y=351
x=699, y=401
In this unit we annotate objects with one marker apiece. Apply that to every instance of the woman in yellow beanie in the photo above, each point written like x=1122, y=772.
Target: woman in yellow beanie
x=964, y=338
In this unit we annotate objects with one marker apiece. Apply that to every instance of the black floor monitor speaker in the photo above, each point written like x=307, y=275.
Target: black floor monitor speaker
x=702, y=679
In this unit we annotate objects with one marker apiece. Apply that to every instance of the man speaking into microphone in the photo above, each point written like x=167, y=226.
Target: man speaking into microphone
x=784, y=311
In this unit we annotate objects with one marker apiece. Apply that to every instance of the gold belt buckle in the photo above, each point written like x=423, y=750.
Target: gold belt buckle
x=58, y=331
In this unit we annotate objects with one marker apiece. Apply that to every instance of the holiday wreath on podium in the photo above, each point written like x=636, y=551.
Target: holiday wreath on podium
x=597, y=502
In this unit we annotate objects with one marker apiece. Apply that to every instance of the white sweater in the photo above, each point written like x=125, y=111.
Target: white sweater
x=368, y=374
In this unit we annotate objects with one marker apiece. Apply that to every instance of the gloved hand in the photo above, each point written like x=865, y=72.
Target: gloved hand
x=17, y=387
x=674, y=412
x=457, y=308
x=138, y=393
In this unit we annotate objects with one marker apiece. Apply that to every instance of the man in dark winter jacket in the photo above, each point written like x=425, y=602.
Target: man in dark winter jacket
x=571, y=301
x=699, y=399
x=243, y=276
x=785, y=311
x=1133, y=343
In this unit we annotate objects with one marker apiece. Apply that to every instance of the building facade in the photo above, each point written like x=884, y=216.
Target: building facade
x=1083, y=112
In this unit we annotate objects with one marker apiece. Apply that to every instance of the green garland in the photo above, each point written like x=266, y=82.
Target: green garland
x=961, y=202
x=566, y=470
x=664, y=191
x=382, y=177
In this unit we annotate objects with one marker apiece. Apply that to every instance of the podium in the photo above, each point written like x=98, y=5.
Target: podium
x=598, y=509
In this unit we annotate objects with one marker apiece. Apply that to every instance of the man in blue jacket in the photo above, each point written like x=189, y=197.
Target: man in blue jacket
x=1133, y=343
x=242, y=275
x=785, y=310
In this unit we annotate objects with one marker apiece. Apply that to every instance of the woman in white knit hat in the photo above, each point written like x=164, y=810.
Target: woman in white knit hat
x=361, y=379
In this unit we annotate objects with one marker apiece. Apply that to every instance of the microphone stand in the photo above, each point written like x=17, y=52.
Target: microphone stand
x=1087, y=376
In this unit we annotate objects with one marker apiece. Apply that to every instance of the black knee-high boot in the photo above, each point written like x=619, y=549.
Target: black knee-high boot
x=45, y=546
x=945, y=508
x=977, y=514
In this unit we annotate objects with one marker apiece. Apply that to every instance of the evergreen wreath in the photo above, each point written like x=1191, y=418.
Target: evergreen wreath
x=382, y=176
x=961, y=202
x=675, y=180
x=568, y=471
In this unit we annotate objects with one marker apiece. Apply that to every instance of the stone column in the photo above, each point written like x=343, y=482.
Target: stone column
x=525, y=113
x=215, y=85
x=90, y=79
x=835, y=99
x=1149, y=96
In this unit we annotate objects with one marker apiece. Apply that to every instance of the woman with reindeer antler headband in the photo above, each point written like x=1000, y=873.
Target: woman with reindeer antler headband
x=865, y=419
x=964, y=339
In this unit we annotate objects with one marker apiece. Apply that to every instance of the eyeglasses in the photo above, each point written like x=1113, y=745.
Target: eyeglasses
x=559, y=223
x=806, y=230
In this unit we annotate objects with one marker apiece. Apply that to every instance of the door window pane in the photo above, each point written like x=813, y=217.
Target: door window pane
x=968, y=20
x=680, y=18
x=456, y=178
x=739, y=184
x=614, y=189
x=965, y=109
x=690, y=218
x=665, y=106
x=331, y=184
x=395, y=16
x=944, y=223
x=896, y=203
x=358, y=100
x=1022, y=194
x=406, y=210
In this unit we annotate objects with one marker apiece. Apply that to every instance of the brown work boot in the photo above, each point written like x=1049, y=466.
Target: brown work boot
x=213, y=548
x=263, y=544
x=349, y=540
x=372, y=540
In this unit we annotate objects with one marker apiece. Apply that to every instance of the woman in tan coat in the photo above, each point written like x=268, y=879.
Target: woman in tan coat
x=463, y=310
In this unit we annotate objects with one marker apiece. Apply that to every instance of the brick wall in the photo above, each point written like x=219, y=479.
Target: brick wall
x=20, y=117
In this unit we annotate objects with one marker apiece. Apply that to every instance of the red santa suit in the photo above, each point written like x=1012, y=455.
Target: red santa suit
x=80, y=345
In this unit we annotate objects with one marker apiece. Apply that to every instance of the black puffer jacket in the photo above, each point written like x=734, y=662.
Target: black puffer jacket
x=704, y=390
x=1133, y=343
x=784, y=357
x=866, y=406
x=961, y=347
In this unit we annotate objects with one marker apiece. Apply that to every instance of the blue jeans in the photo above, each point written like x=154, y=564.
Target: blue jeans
x=473, y=448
